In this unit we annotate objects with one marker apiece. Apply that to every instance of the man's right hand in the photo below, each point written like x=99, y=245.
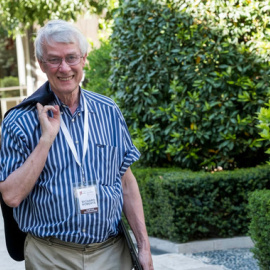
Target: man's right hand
x=20, y=182
x=49, y=125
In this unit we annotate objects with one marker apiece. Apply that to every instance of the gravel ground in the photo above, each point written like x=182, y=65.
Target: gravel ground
x=233, y=259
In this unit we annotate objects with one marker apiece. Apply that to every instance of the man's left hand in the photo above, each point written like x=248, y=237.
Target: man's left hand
x=146, y=260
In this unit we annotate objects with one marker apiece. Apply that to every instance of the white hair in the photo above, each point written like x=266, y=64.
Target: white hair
x=61, y=32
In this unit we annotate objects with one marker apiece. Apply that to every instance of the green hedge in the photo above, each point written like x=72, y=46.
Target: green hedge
x=259, y=230
x=184, y=206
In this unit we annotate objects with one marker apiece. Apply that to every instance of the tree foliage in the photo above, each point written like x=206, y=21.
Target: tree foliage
x=8, y=63
x=190, y=78
x=18, y=15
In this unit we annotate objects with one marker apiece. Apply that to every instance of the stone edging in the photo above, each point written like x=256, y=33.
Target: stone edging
x=201, y=246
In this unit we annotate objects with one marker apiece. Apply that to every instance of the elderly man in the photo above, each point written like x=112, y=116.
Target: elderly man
x=65, y=167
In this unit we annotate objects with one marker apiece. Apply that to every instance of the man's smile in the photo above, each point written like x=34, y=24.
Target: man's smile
x=66, y=78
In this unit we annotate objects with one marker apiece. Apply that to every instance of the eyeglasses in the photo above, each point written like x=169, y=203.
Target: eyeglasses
x=71, y=60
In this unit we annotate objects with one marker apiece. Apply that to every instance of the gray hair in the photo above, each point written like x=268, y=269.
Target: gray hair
x=59, y=31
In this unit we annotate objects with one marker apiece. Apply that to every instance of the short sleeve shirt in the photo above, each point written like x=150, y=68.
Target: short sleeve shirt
x=49, y=210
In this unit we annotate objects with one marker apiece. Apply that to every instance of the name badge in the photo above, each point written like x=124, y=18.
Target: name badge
x=87, y=199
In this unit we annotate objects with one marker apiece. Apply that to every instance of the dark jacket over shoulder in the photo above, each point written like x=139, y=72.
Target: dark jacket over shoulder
x=14, y=236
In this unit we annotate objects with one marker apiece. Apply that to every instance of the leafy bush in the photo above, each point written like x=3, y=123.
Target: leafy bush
x=184, y=206
x=97, y=71
x=259, y=229
x=264, y=123
x=190, y=80
x=9, y=82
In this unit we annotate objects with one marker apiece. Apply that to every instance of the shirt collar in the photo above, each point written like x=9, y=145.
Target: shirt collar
x=81, y=104
x=61, y=104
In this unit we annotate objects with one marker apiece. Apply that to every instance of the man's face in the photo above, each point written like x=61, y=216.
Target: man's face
x=64, y=79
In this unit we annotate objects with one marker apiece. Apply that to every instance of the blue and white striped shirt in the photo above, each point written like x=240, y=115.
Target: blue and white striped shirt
x=49, y=210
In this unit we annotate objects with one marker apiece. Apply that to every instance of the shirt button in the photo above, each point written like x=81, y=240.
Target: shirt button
x=73, y=120
x=77, y=142
x=79, y=114
x=83, y=230
x=62, y=112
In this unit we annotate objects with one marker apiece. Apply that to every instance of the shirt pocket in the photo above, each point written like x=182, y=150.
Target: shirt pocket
x=106, y=165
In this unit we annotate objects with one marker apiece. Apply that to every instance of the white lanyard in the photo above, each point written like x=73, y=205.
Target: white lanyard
x=85, y=135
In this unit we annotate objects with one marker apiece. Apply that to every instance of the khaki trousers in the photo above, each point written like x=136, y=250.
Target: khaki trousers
x=42, y=254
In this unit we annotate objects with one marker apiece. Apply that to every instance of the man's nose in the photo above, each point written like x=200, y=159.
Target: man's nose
x=64, y=65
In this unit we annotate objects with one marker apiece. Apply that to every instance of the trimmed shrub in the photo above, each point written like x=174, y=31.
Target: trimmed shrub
x=259, y=229
x=184, y=206
x=190, y=79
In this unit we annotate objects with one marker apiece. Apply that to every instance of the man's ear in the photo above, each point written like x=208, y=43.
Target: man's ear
x=41, y=64
x=84, y=59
